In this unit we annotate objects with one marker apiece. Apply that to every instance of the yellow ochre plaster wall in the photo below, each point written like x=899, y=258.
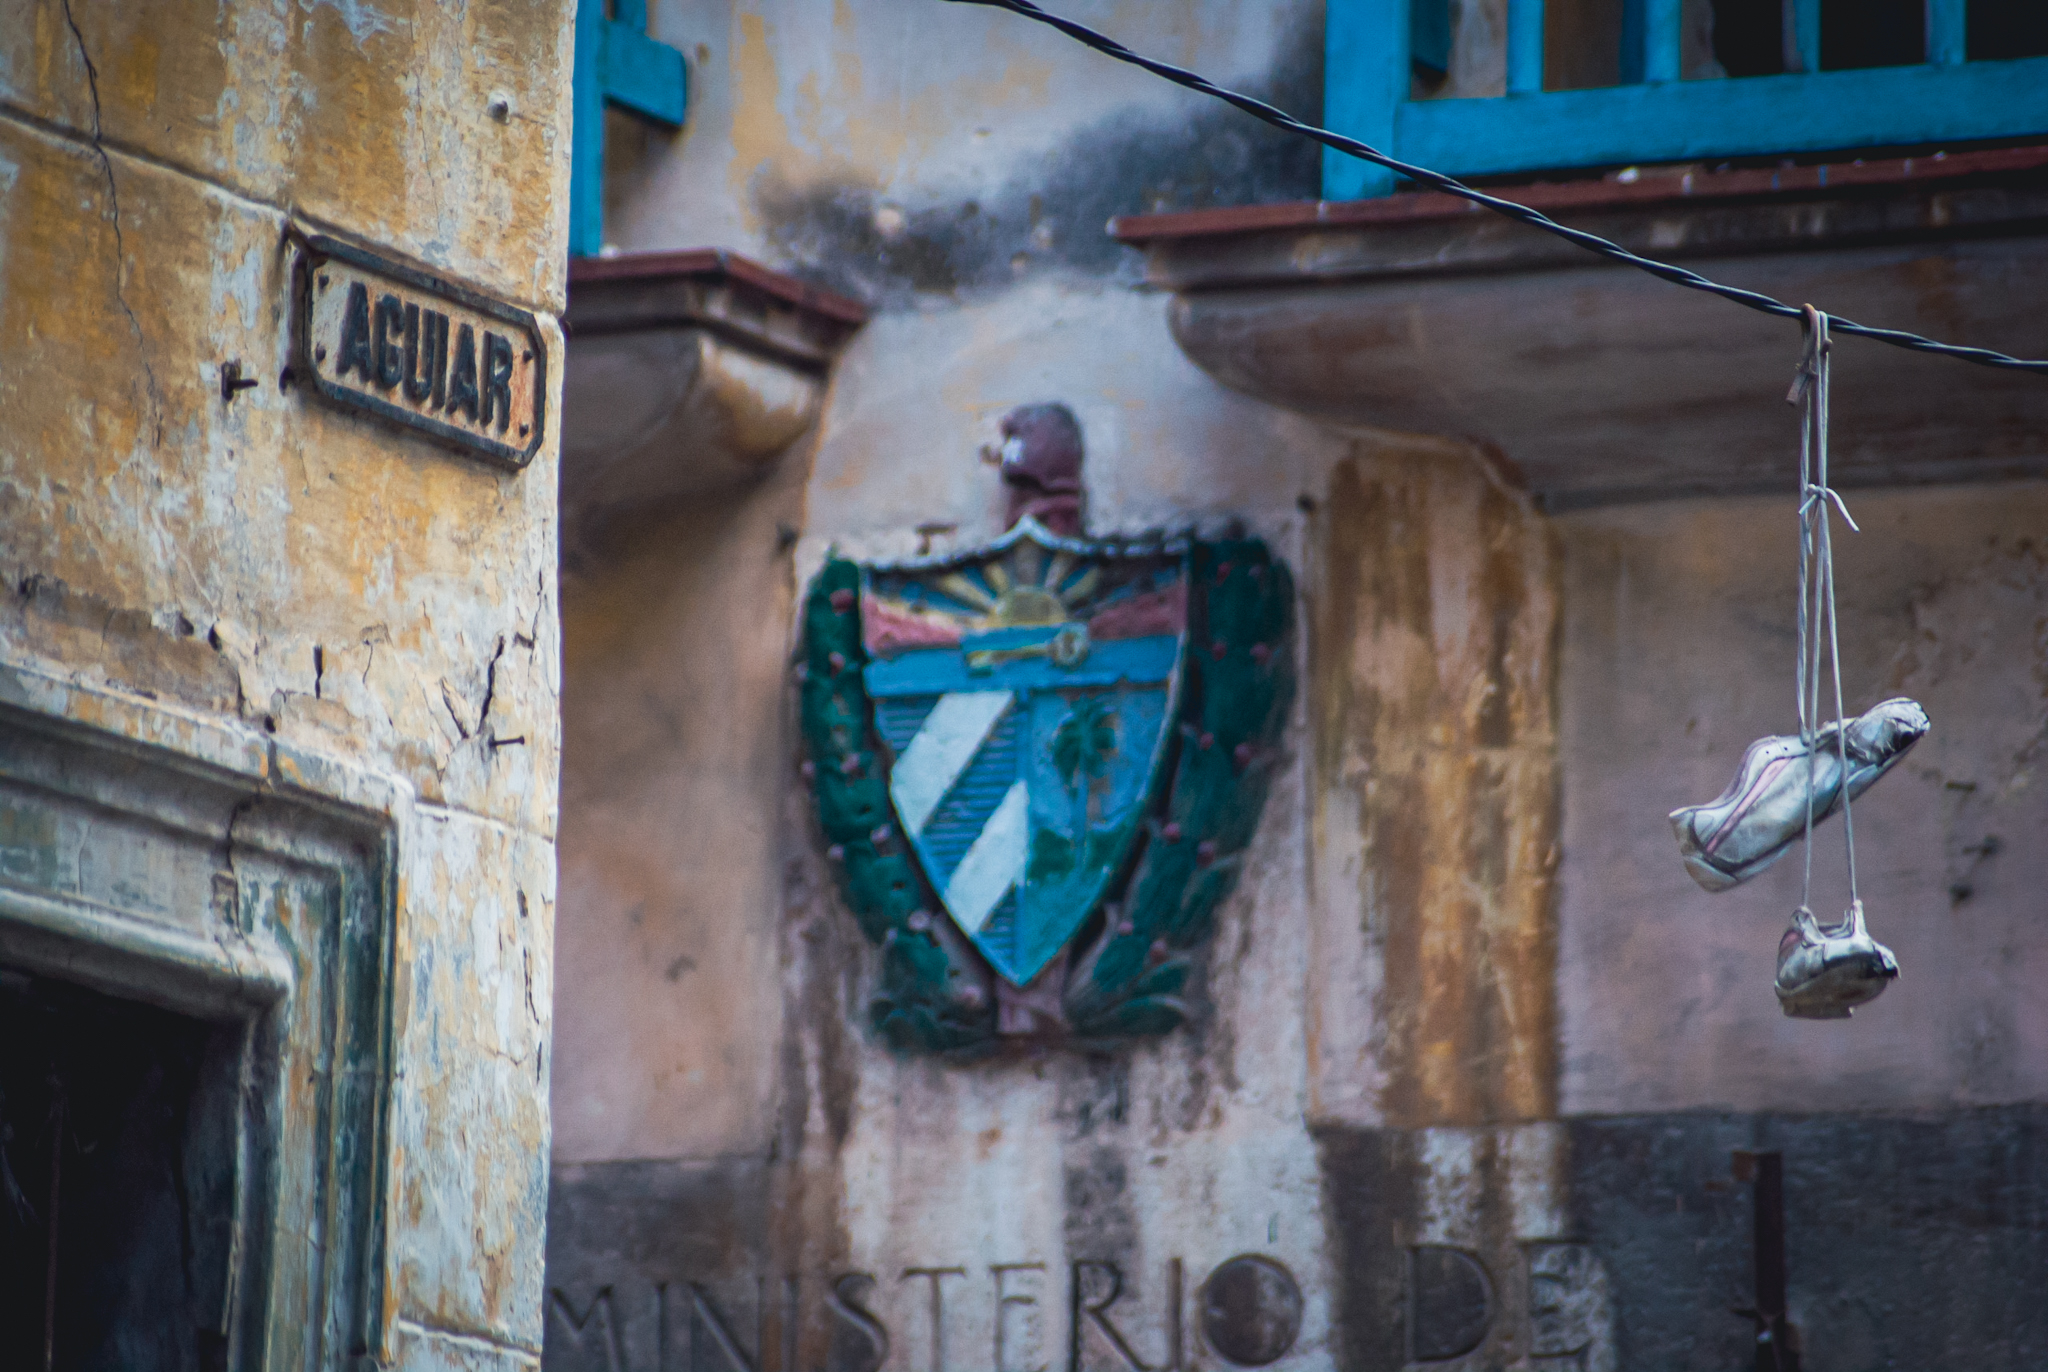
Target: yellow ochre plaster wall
x=369, y=603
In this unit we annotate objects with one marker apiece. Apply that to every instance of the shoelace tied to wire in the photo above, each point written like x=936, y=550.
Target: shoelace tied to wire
x=1524, y=214
x=1817, y=583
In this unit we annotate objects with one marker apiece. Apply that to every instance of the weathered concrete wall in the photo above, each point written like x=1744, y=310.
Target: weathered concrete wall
x=902, y=150
x=669, y=978
x=1678, y=646
x=1436, y=760
x=363, y=601
x=737, y=1158
x=1465, y=1018
x=1432, y=1003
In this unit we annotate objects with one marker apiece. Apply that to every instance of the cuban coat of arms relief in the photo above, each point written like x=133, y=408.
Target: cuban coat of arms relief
x=1037, y=763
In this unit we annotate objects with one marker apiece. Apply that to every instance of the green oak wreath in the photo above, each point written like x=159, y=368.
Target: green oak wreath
x=1236, y=689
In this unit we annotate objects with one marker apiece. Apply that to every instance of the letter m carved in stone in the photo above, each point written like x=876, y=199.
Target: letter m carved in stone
x=569, y=1332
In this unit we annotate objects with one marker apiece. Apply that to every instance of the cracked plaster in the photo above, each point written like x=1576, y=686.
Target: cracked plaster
x=367, y=615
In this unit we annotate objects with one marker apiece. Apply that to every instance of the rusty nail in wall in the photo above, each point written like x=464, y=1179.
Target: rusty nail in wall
x=232, y=380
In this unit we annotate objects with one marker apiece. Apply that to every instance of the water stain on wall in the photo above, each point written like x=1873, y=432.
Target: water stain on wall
x=1433, y=702
x=842, y=230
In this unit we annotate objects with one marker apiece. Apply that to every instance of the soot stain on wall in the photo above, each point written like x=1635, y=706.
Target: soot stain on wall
x=1446, y=743
x=1368, y=1202
x=1934, y=1265
x=850, y=238
x=1927, y=1268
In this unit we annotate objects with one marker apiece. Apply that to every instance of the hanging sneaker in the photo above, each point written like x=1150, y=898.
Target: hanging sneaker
x=1827, y=973
x=1730, y=839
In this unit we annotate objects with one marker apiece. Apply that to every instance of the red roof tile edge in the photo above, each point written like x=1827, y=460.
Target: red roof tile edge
x=1649, y=189
x=655, y=266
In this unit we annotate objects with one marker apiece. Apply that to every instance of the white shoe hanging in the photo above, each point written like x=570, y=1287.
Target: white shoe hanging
x=1752, y=824
x=1787, y=785
x=1827, y=973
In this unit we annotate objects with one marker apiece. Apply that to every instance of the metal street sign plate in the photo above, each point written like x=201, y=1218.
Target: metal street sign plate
x=465, y=370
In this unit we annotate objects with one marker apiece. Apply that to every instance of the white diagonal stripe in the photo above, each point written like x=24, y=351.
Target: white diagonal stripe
x=944, y=744
x=994, y=862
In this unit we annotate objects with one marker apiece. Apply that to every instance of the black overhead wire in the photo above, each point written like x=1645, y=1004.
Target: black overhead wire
x=1534, y=218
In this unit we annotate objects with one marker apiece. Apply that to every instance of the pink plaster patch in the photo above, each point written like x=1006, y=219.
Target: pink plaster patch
x=889, y=628
x=1143, y=616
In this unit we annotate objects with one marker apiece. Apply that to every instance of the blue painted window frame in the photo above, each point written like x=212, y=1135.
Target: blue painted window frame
x=616, y=64
x=1663, y=118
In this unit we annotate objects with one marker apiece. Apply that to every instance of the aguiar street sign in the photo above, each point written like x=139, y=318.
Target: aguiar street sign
x=379, y=338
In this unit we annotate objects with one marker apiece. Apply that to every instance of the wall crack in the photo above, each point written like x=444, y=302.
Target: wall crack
x=483, y=714
x=92, y=82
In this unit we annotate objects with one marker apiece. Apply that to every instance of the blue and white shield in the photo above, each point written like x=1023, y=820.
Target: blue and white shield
x=1024, y=692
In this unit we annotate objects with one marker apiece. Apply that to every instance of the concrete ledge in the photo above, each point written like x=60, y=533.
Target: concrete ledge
x=1671, y=212
x=1598, y=383
x=688, y=373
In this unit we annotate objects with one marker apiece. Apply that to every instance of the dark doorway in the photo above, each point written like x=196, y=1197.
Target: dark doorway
x=117, y=1172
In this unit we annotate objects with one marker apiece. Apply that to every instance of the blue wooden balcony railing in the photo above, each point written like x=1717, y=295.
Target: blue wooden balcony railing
x=1371, y=45
x=616, y=64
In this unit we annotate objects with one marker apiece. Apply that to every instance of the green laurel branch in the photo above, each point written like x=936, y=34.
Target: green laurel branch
x=1237, y=686
x=929, y=999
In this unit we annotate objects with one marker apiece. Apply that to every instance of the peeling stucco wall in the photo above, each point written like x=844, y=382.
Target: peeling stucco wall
x=1468, y=1031
x=1436, y=758
x=739, y=1165
x=724, y=1119
x=357, y=597
x=1678, y=640
x=672, y=810
x=908, y=152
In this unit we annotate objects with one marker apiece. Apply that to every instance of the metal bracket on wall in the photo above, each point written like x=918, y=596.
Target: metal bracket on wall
x=1777, y=1342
